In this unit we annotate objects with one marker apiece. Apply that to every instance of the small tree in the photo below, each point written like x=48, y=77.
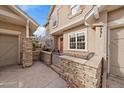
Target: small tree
x=47, y=44
x=36, y=42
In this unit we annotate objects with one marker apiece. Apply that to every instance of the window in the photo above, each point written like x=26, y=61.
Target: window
x=74, y=9
x=73, y=41
x=78, y=40
x=54, y=20
x=59, y=6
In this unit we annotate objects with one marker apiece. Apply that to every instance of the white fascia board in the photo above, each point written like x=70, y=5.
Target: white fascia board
x=8, y=14
x=96, y=12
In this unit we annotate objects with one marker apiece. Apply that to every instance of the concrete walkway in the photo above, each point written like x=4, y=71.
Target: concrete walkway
x=37, y=76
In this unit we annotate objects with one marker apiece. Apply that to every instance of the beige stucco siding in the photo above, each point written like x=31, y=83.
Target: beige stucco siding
x=10, y=26
x=116, y=14
x=90, y=38
x=3, y=7
x=101, y=35
x=14, y=28
x=63, y=16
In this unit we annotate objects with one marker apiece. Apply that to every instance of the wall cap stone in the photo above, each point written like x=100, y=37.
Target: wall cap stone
x=94, y=62
x=46, y=52
x=74, y=59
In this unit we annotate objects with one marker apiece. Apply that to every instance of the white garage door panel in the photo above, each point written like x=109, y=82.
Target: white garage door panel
x=8, y=49
x=117, y=71
x=117, y=52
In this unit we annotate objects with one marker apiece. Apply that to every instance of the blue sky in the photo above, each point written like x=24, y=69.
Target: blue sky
x=39, y=13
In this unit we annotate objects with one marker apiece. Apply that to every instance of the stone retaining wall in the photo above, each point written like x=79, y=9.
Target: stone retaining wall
x=81, y=73
x=36, y=55
x=46, y=57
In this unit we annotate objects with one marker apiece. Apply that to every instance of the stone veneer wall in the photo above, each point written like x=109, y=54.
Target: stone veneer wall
x=79, y=74
x=27, y=59
x=46, y=57
x=36, y=55
x=77, y=54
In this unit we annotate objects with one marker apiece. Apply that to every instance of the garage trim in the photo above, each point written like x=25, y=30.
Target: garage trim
x=11, y=32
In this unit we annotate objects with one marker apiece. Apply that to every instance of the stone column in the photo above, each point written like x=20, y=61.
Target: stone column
x=27, y=57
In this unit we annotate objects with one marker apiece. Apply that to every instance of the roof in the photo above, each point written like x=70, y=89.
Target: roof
x=51, y=10
x=25, y=15
x=46, y=24
x=49, y=14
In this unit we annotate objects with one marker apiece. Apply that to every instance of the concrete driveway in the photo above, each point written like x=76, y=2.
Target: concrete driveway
x=37, y=76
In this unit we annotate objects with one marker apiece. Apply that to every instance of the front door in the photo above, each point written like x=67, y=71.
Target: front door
x=61, y=44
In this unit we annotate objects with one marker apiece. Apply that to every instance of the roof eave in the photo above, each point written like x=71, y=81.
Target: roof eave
x=51, y=10
x=25, y=15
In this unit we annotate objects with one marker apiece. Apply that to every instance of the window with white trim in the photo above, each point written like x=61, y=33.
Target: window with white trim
x=78, y=40
x=54, y=20
x=58, y=7
x=72, y=41
x=74, y=9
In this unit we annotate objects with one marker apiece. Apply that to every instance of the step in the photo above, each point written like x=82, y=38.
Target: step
x=55, y=68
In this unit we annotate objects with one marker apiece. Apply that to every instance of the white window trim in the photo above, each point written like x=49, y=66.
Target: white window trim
x=52, y=18
x=86, y=40
x=59, y=6
x=55, y=15
x=72, y=7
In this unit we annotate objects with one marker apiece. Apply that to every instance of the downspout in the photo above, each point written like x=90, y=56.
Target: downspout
x=85, y=20
x=108, y=50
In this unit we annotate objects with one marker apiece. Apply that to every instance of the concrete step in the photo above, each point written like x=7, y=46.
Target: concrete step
x=55, y=68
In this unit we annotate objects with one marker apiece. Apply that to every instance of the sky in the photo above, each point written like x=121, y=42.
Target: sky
x=39, y=13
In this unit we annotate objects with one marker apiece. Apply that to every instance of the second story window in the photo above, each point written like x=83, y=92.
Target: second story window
x=74, y=9
x=54, y=20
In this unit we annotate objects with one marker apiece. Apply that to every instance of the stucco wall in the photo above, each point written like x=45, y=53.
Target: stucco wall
x=46, y=57
x=101, y=35
x=14, y=23
x=90, y=37
x=63, y=16
x=3, y=7
x=116, y=14
x=9, y=26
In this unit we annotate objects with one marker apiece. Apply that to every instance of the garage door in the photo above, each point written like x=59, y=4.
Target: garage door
x=8, y=50
x=117, y=52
